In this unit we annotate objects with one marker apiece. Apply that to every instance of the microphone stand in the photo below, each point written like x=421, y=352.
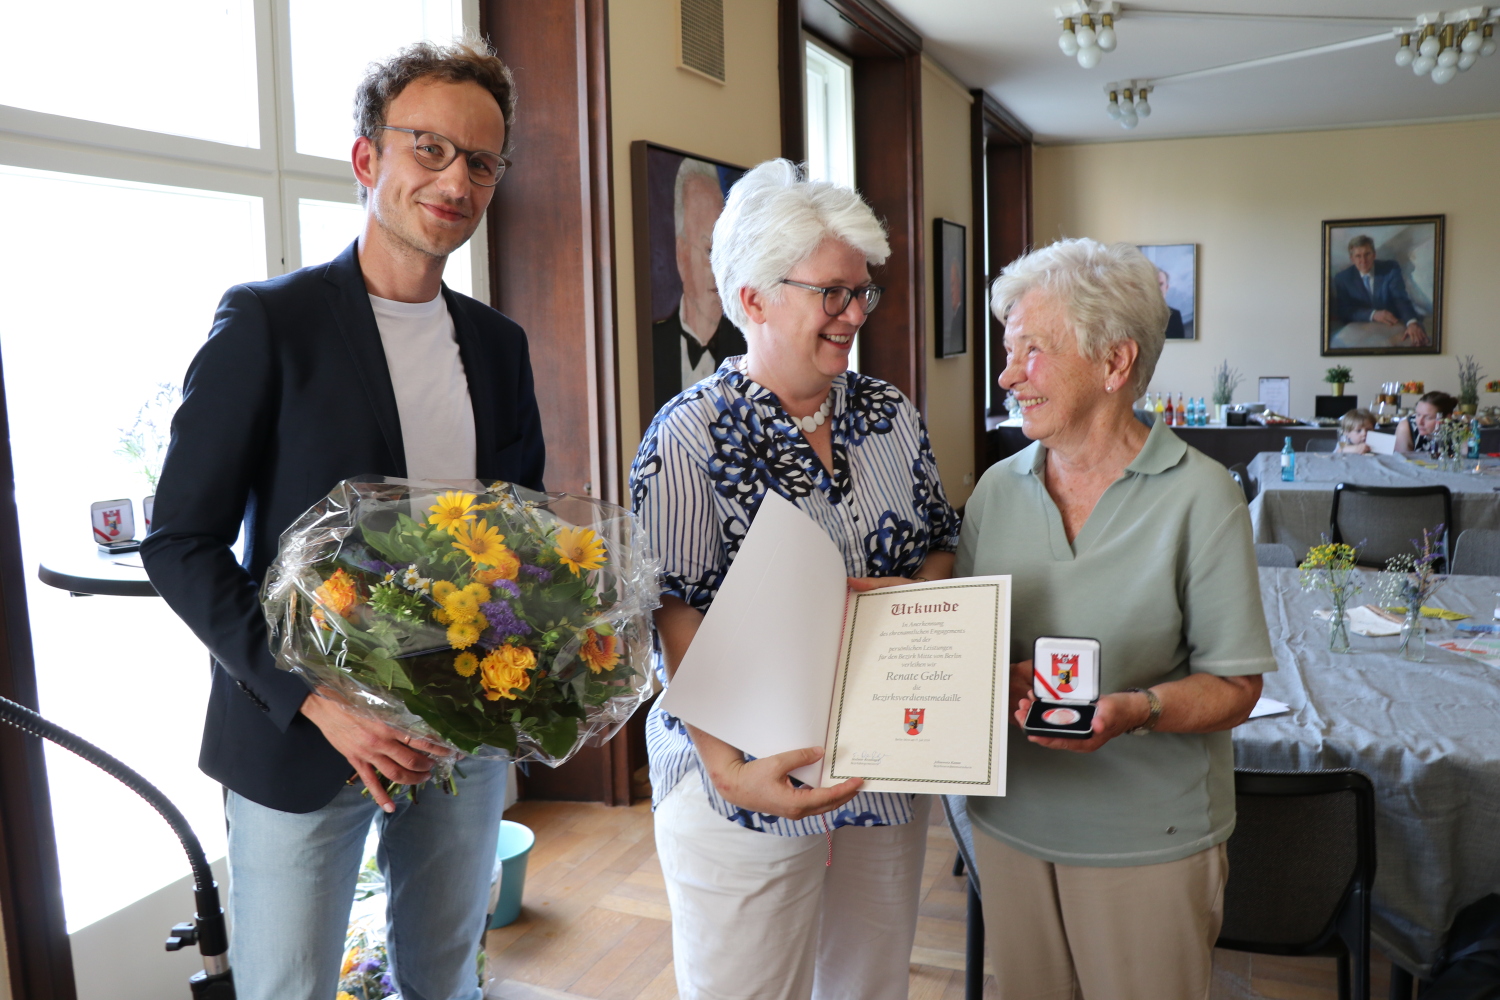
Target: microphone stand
x=214, y=981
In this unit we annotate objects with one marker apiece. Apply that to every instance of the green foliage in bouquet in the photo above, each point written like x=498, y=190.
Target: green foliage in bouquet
x=490, y=619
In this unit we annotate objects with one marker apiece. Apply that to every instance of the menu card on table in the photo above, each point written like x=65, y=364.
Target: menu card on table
x=905, y=687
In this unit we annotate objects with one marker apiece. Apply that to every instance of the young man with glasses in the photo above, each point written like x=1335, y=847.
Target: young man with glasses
x=363, y=365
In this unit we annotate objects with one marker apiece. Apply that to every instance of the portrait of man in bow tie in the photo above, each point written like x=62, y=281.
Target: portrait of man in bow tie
x=1372, y=302
x=690, y=335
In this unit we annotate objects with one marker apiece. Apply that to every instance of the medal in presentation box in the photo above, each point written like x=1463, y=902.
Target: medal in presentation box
x=1065, y=684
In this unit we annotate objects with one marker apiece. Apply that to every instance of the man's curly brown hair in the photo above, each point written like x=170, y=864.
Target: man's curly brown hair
x=458, y=62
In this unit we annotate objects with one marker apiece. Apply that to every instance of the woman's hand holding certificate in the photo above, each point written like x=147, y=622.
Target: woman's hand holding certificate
x=905, y=687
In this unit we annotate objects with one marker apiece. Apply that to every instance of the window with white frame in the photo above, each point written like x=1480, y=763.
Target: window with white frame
x=146, y=165
x=830, y=115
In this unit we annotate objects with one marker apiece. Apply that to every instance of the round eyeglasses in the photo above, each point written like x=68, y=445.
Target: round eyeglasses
x=836, y=298
x=436, y=152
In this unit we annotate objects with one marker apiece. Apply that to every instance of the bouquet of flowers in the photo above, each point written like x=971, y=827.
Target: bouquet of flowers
x=1331, y=568
x=494, y=620
x=1408, y=583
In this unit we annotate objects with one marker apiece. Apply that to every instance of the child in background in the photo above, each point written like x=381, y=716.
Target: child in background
x=1354, y=426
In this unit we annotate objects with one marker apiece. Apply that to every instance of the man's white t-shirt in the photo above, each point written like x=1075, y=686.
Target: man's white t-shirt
x=432, y=392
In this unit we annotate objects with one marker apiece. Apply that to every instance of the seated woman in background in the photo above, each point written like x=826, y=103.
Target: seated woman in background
x=1103, y=866
x=1354, y=427
x=1415, y=433
x=762, y=904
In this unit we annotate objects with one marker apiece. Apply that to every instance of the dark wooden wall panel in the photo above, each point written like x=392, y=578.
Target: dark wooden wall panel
x=552, y=269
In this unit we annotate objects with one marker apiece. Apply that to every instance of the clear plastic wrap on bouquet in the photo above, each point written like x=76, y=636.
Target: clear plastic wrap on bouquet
x=489, y=618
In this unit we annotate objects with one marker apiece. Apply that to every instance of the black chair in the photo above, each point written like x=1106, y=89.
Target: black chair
x=1321, y=444
x=1477, y=552
x=1301, y=869
x=1383, y=521
x=1240, y=474
x=1275, y=554
x=958, y=822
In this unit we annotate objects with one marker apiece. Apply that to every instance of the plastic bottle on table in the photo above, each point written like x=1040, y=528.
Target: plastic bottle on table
x=1288, y=462
x=1474, y=444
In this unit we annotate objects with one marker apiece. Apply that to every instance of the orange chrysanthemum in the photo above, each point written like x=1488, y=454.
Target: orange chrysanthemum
x=506, y=566
x=600, y=652
x=338, y=594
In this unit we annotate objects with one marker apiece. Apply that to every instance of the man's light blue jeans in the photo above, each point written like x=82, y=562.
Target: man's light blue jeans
x=292, y=878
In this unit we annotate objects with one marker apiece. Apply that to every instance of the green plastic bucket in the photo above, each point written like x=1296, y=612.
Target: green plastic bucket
x=511, y=852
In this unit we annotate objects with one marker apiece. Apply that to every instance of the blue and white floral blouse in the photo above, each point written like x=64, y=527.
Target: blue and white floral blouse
x=708, y=459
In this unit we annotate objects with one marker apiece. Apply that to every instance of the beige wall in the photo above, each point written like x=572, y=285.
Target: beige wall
x=1255, y=204
x=738, y=121
x=947, y=193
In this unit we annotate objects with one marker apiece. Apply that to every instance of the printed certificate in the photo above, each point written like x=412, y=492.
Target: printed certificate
x=921, y=691
x=905, y=687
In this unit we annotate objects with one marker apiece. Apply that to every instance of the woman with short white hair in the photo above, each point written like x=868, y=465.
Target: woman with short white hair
x=779, y=890
x=1103, y=865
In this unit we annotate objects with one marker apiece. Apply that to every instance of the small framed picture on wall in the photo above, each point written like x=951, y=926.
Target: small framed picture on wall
x=951, y=287
x=1383, y=285
x=1177, y=274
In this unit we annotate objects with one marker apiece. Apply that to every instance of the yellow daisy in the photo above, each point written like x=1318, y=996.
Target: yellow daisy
x=579, y=549
x=480, y=542
x=466, y=664
x=452, y=510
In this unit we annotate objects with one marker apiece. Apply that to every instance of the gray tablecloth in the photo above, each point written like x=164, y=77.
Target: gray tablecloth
x=1296, y=513
x=1427, y=734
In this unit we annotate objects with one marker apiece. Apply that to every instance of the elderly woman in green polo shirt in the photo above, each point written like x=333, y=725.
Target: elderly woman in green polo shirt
x=1103, y=866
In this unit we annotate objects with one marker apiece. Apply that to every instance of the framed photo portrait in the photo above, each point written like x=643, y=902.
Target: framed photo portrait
x=682, y=334
x=1177, y=273
x=951, y=287
x=1383, y=285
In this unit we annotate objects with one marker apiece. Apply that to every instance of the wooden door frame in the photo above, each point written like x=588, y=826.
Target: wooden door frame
x=887, y=58
x=1000, y=171
x=40, y=957
x=553, y=270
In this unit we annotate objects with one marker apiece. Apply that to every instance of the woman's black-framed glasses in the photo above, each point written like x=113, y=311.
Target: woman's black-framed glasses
x=836, y=298
x=436, y=152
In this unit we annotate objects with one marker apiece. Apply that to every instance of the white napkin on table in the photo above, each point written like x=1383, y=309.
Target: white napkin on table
x=1363, y=621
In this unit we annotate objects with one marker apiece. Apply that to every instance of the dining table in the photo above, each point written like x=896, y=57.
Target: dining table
x=1426, y=733
x=1296, y=513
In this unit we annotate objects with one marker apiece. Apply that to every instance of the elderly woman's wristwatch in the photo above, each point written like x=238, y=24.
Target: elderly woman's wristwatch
x=1153, y=703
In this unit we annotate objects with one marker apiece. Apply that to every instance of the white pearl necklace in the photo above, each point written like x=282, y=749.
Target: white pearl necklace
x=812, y=423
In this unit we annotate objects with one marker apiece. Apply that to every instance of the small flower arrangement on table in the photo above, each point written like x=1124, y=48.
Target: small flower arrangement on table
x=1408, y=583
x=1331, y=568
x=493, y=620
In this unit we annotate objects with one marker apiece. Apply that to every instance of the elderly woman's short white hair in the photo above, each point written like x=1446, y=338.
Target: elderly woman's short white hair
x=774, y=219
x=1110, y=294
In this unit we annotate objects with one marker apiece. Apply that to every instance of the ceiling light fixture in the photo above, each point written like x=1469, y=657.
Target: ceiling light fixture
x=1088, y=30
x=1448, y=43
x=1127, y=102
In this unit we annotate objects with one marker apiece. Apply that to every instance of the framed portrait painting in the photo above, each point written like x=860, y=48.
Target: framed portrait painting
x=1383, y=285
x=682, y=334
x=1177, y=274
x=951, y=288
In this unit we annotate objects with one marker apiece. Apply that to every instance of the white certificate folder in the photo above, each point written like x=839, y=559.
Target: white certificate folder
x=905, y=687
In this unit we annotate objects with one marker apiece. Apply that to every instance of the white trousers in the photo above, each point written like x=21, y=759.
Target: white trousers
x=761, y=917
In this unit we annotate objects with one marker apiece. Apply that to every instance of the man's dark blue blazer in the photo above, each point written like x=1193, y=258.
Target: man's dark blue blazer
x=1353, y=304
x=290, y=395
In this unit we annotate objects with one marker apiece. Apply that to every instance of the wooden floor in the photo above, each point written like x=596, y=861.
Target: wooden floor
x=595, y=921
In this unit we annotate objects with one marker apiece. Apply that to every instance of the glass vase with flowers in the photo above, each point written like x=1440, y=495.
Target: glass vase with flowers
x=1408, y=583
x=1331, y=568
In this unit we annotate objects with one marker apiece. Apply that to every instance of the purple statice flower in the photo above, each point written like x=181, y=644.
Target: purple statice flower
x=387, y=985
x=509, y=586
x=542, y=575
x=503, y=622
x=377, y=566
x=370, y=965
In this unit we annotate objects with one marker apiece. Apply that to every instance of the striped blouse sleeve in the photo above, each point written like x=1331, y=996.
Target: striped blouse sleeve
x=673, y=495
